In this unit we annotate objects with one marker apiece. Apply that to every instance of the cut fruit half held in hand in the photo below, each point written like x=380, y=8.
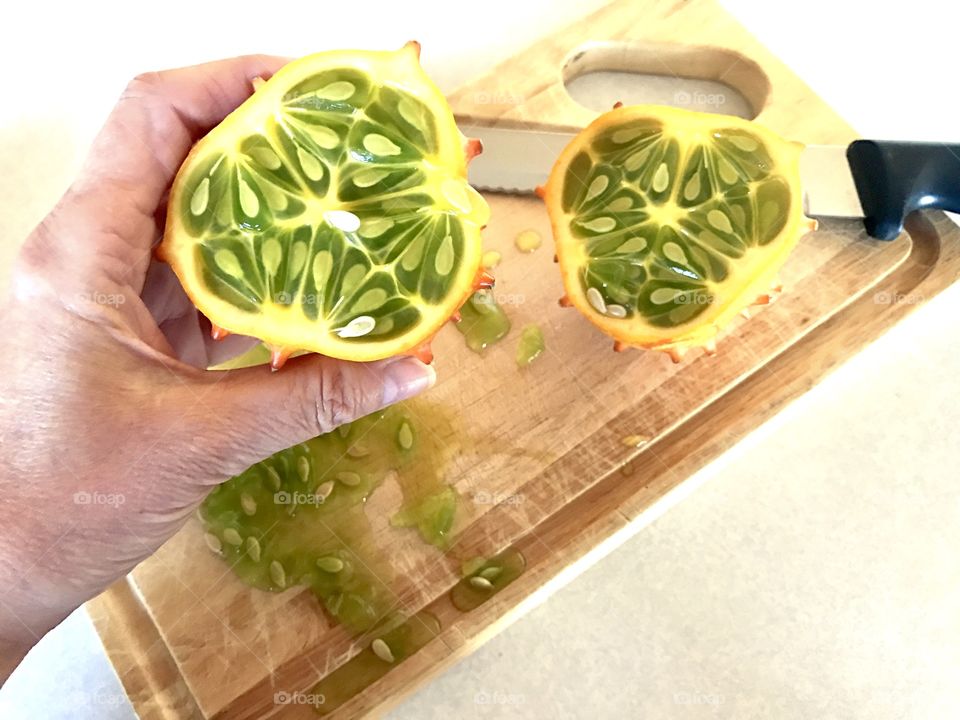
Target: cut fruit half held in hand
x=669, y=223
x=331, y=212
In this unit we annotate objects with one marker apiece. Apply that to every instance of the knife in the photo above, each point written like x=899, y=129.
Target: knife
x=880, y=181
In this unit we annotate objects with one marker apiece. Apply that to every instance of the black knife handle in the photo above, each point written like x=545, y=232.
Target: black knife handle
x=895, y=178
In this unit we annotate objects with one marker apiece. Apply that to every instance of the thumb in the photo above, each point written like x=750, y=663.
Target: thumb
x=240, y=417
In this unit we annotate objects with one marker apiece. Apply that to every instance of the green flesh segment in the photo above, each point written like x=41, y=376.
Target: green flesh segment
x=336, y=210
x=299, y=517
x=482, y=321
x=730, y=197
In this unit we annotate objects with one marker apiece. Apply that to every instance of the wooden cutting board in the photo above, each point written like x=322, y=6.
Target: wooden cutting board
x=189, y=640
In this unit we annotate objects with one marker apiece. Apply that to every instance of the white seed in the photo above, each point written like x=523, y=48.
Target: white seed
x=409, y=112
x=248, y=504
x=324, y=137
x=443, y=262
x=693, y=187
x=298, y=256
x=371, y=300
x=330, y=564
x=621, y=204
x=249, y=202
x=600, y=224
x=358, y=451
x=213, y=542
x=456, y=194
x=637, y=243
x=662, y=296
x=352, y=278
x=616, y=311
x=233, y=537
x=380, y=145
x=324, y=490
x=480, y=583
x=228, y=262
x=266, y=156
x=348, y=478
x=253, y=548
x=720, y=221
x=637, y=159
x=413, y=254
x=274, y=478
x=312, y=167
x=370, y=177
x=358, y=327
x=303, y=468
x=272, y=255
x=322, y=265
x=491, y=572
x=727, y=172
x=276, y=198
x=198, y=202
x=674, y=252
x=661, y=178
x=595, y=298
x=342, y=220
x=382, y=650
x=747, y=144
x=278, y=574
x=405, y=435
x=622, y=137
x=336, y=91
x=599, y=184
x=375, y=227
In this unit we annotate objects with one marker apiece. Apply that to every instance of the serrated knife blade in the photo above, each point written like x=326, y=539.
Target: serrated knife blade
x=877, y=180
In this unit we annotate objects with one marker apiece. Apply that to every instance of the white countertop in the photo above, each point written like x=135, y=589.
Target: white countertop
x=814, y=572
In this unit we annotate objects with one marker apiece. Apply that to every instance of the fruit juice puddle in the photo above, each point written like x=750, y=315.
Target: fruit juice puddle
x=482, y=321
x=299, y=517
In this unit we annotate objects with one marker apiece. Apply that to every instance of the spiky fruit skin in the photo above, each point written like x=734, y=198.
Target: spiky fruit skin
x=669, y=223
x=330, y=212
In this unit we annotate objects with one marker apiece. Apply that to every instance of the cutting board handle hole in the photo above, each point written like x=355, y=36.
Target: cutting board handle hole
x=708, y=79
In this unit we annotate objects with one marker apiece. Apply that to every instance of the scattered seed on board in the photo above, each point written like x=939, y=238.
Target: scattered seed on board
x=348, y=478
x=278, y=574
x=213, y=542
x=481, y=583
x=357, y=451
x=248, y=504
x=382, y=650
x=330, y=564
x=324, y=490
x=491, y=572
x=405, y=436
x=253, y=548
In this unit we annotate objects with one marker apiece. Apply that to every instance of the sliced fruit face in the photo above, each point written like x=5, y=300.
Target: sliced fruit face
x=669, y=222
x=330, y=212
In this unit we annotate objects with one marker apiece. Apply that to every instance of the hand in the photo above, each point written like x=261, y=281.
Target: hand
x=111, y=431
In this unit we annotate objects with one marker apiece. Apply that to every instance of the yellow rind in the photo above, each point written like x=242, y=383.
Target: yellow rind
x=750, y=277
x=286, y=327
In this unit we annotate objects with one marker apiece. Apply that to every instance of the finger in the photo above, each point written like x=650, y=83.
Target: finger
x=245, y=416
x=161, y=114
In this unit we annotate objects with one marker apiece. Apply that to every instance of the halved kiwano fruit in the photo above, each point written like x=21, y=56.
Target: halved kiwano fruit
x=330, y=212
x=668, y=223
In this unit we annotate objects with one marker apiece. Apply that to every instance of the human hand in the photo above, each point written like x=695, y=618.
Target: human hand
x=112, y=433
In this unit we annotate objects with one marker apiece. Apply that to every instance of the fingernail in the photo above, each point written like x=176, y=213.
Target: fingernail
x=405, y=378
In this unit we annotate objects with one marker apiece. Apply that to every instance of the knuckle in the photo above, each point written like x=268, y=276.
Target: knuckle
x=342, y=395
